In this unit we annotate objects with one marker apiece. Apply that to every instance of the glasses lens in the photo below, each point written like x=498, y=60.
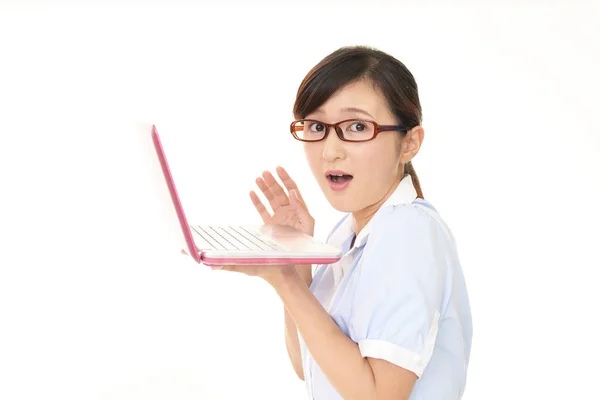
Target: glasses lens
x=357, y=130
x=309, y=130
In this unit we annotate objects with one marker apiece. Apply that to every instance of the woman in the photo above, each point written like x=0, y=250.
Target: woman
x=391, y=319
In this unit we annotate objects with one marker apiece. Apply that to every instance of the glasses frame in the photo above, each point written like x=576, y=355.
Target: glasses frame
x=336, y=126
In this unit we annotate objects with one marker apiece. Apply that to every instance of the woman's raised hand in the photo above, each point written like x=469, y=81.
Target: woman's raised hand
x=288, y=208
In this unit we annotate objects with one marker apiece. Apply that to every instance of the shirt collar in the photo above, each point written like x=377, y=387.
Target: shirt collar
x=405, y=193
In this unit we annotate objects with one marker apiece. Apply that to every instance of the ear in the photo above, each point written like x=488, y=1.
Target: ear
x=411, y=144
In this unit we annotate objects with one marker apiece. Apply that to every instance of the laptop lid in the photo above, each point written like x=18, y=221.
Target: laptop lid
x=185, y=227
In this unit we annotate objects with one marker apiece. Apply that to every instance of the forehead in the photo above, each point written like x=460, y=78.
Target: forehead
x=349, y=100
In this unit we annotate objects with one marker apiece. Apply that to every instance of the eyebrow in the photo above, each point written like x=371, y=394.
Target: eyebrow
x=348, y=109
x=358, y=110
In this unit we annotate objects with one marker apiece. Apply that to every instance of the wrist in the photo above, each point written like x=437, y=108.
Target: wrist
x=305, y=272
x=285, y=277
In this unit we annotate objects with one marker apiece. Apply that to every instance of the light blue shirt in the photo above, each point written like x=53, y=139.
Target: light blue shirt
x=399, y=293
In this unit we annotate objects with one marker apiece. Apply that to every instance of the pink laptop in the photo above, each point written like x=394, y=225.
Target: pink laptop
x=242, y=245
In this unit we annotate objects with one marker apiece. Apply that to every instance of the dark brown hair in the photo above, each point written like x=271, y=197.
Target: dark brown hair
x=349, y=64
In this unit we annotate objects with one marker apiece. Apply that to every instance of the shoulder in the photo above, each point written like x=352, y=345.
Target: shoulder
x=408, y=240
x=411, y=222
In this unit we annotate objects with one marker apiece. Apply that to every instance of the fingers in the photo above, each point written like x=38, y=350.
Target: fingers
x=298, y=204
x=274, y=193
x=280, y=197
x=288, y=182
x=260, y=207
x=295, y=199
x=260, y=182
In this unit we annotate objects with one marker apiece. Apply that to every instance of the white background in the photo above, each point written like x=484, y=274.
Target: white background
x=96, y=302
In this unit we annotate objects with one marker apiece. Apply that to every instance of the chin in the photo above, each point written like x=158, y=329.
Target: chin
x=342, y=203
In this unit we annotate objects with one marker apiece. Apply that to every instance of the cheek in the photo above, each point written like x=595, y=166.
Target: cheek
x=381, y=150
x=380, y=160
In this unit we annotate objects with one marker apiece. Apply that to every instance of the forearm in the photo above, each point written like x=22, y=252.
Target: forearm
x=337, y=355
x=292, y=344
x=292, y=341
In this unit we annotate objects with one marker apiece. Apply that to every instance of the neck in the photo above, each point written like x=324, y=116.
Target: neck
x=362, y=217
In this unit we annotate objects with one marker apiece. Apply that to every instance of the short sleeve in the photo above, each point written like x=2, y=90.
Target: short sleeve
x=399, y=287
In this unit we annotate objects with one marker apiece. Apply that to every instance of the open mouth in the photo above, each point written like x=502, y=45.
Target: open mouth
x=341, y=178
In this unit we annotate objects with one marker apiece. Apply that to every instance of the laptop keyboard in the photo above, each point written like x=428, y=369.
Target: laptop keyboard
x=235, y=238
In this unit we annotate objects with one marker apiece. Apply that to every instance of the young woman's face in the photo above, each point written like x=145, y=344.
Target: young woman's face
x=374, y=166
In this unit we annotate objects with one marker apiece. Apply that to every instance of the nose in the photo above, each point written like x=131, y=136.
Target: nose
x=333, y=147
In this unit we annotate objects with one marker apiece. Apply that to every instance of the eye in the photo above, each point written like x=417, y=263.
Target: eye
x=316, y=127
x=358, y=127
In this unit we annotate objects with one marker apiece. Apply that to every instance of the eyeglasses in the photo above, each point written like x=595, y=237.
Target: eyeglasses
x=350, y=130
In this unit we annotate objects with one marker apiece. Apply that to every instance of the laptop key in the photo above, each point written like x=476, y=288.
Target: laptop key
x=210, y=237
x=264, y=240
x=257, y=240
x=240, y=241
x=232, y=238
